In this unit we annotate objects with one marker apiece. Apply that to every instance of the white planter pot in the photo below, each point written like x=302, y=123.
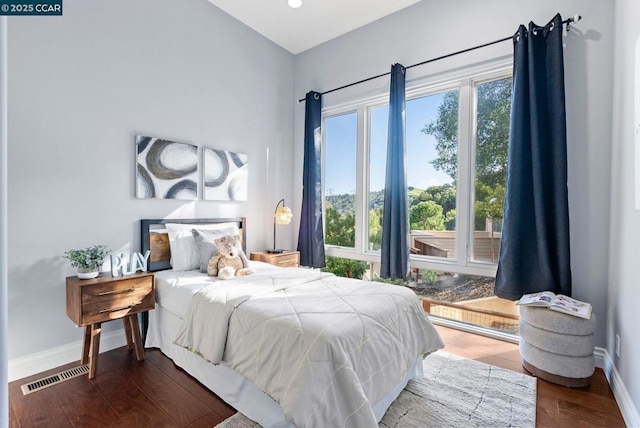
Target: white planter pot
x=84, y=273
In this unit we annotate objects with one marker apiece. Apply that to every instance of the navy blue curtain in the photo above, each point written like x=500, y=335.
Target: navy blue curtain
x=534, y=253
x=394, y=260
x=311, y=235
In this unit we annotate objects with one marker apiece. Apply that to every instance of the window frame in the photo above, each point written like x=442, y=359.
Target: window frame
x=465, y=81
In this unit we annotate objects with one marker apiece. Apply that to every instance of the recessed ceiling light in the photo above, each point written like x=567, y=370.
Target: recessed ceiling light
x=294, y=3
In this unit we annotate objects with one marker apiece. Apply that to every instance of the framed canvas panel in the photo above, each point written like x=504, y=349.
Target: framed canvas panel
x=166, y=169
x=225, y=175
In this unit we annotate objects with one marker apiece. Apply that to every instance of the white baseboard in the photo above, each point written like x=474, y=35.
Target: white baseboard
x=600, y=355
x=627, y=408
x=51, y=358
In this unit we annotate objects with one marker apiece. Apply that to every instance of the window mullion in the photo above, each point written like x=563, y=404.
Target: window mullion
x=362, y=160
x=463, y=191
x=471, y=201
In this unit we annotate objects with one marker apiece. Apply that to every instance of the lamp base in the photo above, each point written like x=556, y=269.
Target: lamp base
x=273, y=251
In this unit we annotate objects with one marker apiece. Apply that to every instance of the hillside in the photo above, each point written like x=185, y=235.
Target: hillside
x=345, y=203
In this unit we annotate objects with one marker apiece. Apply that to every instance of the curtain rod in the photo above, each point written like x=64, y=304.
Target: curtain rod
x=568, y=22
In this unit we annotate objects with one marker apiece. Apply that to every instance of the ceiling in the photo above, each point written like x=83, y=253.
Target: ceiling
x=314, y=23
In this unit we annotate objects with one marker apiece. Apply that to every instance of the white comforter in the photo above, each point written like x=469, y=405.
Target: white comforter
x=324, y=347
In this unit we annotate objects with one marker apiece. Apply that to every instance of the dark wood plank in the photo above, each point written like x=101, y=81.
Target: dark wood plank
x=505, y=363
x=84, y=406
x=118, y=360
x=592, y=415
x=547, y=414
x=211, y=400
x=167, y=394
x=600, y=385
x=40, y=409
x=158, y=359
x=129, y=402
x=13, y=420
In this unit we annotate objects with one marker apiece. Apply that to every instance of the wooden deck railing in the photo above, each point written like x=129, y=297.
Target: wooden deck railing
x=479, y=316
x=441, y=243
x=426, y=304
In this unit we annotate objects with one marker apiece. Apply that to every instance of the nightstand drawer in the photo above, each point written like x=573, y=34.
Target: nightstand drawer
x=116, y=289
x=285, y=260
x=116, y=307
x=104, y=298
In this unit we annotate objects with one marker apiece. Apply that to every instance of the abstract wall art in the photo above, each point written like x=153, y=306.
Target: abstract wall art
x=166, y=169
x=225, y=175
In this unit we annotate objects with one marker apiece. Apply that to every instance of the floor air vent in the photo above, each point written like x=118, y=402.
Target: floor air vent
x=39, y=384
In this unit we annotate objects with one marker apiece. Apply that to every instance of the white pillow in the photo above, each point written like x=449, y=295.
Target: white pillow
x=184, y=251
x=205, y=243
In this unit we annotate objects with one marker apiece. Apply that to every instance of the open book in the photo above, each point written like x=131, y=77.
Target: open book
x=557, y=302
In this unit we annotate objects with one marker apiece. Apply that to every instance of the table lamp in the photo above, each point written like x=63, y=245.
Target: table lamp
x=282, y=215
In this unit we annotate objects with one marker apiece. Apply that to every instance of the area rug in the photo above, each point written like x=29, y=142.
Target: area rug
x=455, y=392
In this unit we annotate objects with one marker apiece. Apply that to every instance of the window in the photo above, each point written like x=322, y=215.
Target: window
x=340, y=179
x=490, y=178
x=432, y=153
x=378, y=130
x=457, y=137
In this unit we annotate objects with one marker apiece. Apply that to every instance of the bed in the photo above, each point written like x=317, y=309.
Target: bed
x=285, y=346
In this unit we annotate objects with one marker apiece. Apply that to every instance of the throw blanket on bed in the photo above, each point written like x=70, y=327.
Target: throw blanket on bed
x=323, y=347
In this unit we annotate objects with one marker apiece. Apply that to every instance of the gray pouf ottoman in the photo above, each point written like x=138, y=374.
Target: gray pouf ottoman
x=557, y=347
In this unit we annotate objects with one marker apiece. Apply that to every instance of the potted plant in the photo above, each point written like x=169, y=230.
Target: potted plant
x=87, y=260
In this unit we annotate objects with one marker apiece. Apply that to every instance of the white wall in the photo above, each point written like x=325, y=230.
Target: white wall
x=81, y=86
x=624, y=288
x=432, y=28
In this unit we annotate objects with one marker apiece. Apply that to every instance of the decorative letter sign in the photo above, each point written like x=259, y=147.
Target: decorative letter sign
x=124, y=265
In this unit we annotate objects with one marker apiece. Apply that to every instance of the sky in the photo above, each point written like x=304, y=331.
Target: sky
x=340, y=149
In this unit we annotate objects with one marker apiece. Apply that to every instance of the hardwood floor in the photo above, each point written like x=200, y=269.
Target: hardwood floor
x=124, y=393
x=557, y=406
x=155, y=393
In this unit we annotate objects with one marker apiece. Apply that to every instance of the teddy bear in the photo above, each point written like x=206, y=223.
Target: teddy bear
x=230, y=260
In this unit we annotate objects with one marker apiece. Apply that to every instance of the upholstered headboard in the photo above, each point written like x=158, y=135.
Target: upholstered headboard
x=154, y=237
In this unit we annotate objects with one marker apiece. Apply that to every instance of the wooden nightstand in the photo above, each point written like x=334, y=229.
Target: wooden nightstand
x=91, y=302
x=284, y=259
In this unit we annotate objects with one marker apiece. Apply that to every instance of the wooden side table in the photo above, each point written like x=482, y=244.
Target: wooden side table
x=284, y=259
x=91, y=302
